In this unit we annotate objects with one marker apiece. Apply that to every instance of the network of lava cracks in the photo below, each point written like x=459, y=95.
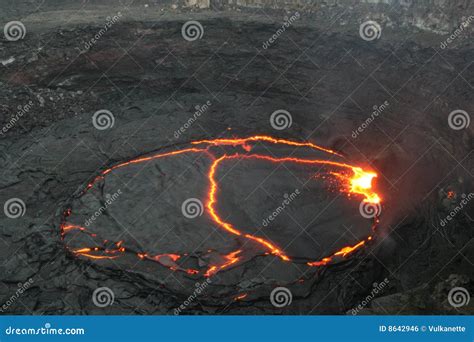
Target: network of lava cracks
x=352, y=180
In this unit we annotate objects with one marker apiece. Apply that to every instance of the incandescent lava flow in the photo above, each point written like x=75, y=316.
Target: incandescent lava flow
x=353, y=181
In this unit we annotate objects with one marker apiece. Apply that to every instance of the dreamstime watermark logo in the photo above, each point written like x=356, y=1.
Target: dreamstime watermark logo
x=462, y=204
x=22, y=110
x=370, y=30
x=22, y=287
x=200, y=287
x=377, y=110
x=281, y=297
x=457, y=32
x=46, y=330
x=370, y=210
x=459, y=119
x=281, y=119
x=110, y=21
x=192, y=30
x=14, y=30
x=286, y=202
x=377, y=288
x=103, y=119
x=102, y=297
x=192, y=208
x=109, y=200
x=458, y=296
x=14, y=208
x=197, y=114
x=286, y=24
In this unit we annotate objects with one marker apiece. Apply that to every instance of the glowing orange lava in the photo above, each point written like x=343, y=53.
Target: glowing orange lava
x=230, y=259
x=240, y=297
x=243, y=142
x=353, y=180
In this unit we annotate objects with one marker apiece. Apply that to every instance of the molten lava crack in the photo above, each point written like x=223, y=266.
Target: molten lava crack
x=352, y=180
